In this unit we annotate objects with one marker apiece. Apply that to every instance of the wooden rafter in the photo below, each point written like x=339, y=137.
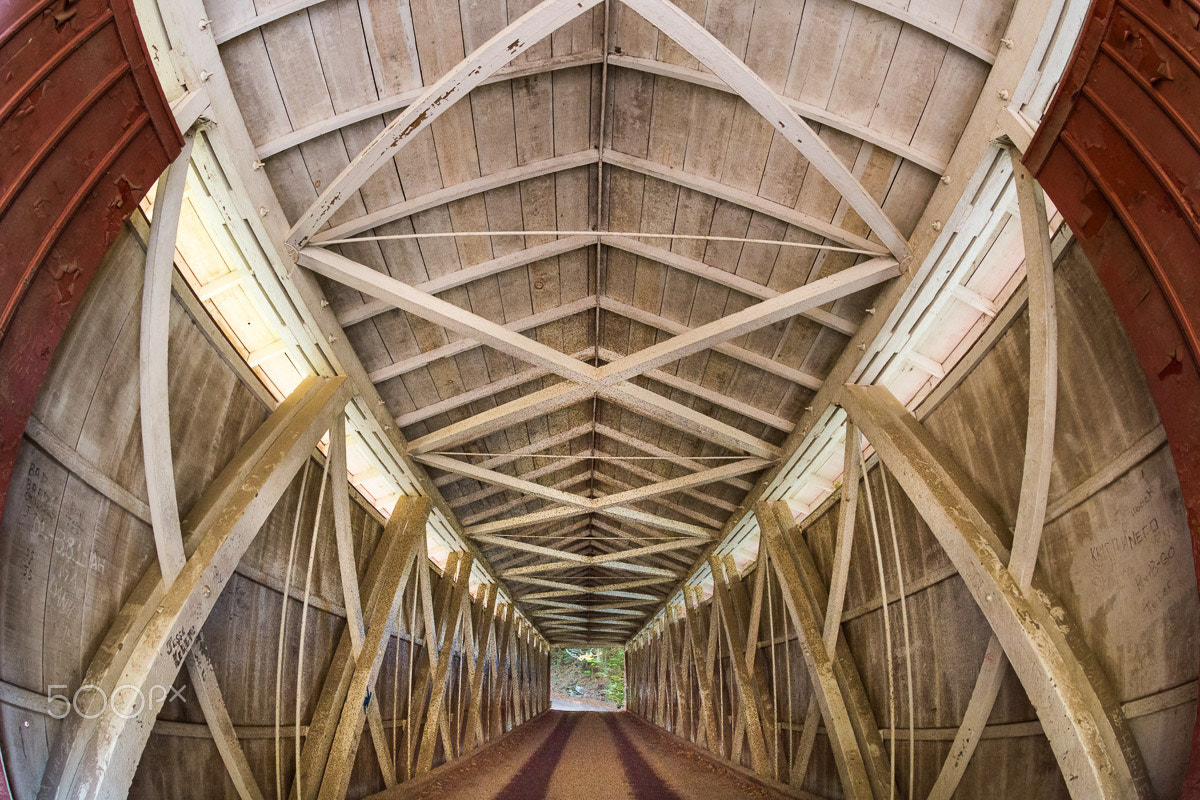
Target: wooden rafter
x=709, y=51
x=540, y=21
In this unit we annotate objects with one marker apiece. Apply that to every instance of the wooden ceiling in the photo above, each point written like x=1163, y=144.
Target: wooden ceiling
x=604, y=128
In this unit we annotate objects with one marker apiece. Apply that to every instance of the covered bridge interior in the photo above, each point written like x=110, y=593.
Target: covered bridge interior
x=835, y=359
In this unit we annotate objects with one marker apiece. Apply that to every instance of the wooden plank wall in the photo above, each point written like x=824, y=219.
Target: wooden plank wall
x=1116, y=548
x=74, y=539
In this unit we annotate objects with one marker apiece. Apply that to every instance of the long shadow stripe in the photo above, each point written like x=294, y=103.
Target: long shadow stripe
x=532, y=780
x=639, y=774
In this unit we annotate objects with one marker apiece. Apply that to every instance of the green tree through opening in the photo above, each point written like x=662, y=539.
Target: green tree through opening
x=594, y=673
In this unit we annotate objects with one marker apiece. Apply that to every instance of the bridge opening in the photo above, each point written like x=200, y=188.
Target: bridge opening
x=587, y=679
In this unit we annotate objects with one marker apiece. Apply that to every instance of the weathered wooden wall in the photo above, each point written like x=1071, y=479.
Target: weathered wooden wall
x=1116, y=548
x=74, y=539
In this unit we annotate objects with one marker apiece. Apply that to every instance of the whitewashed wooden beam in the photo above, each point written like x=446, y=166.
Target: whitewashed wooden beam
x=708, y=395
x=400, y=100
x=538, y=446
x=654, y=450
x=549, y=468
x=709, y=186
x=457, y=191
x=808, y=111
x=709, y=51
x=656, y=521
x=849, y=758
x=553, y=314
x=532, y=26
x=466, y=275
x=156, y=450
x=508, y=481
x=668, y=486
x=526, y=520
x=633, y=468
x=528, y=547
x=108, y=759
x=1036, y=470
x=731, y=280
x=153, y=389
x=400, y=564
x=749, y=357
x=695, y=423
x=481, y=392
x=449, y=316
x=1087, y=730
x=789, y=304
x=189, y=107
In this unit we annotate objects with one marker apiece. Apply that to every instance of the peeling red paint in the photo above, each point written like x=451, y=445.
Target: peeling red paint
x=97, y=132
x=1119, y=153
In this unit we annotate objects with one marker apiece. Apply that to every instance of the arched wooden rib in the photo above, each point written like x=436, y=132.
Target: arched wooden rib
x=1039, y=461
x=156, y=452
x=1084, y=723
x=233, y=511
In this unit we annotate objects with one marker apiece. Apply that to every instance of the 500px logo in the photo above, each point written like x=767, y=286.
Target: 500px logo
x=90, y=701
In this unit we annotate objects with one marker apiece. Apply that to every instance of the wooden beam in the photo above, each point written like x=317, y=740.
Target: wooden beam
x=851, y=764
x=1086, y=727
x=654, y=450
x=400, y=100
x=730, y=280
x=553, y=314
x=435, y=708
x=538, y=446
x=401, y=560
x=709, y=51
x=735, y=634
x=714, y=188
x=532, y=26
x=667, y=486
x=699, y=642
x=749, y=357
x=473, y=726
x=449, y=316
x=839, y=578
x=466, y=275
x=665, y=410
x=673, y=381
x=808, y=111
x=153, y=390
x=789, y=304
x=507, y=481
x=156, y=451
x=457, y=191
x=1036, y=470
x=108, y=758
x=525, y=520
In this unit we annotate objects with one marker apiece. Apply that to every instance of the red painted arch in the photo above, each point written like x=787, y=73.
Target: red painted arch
x=86, y=131
x=1119, y=153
